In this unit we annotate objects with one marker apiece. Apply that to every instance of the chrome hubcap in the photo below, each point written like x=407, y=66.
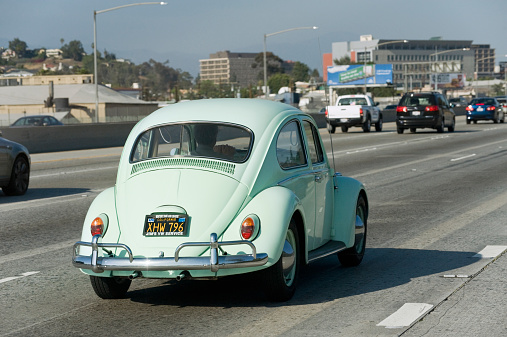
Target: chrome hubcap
x=289, y=258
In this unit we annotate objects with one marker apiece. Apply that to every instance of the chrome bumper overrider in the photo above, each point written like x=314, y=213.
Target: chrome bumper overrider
x=214, y=262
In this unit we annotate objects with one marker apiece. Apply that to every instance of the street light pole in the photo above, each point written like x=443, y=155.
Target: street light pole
x=265, y=61
x=95, y=47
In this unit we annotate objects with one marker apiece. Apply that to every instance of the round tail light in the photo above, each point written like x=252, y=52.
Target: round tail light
x=97, y=226
x=250, y=227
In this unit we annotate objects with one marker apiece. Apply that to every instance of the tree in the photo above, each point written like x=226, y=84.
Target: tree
x=18, y=46
x=73, y=50
x=273, y=64
x=300, y=72
x=345, y=60
x=277, y=81
x=498, y=89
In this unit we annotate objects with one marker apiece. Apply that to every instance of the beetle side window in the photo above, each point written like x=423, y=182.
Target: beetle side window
x=316, y=155
x=289, y=147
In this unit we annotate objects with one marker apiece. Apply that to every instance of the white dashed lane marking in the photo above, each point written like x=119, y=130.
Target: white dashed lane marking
x=7, y=279
x=406, y=315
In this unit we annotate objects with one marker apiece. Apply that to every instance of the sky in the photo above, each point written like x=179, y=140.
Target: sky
x=185, y=31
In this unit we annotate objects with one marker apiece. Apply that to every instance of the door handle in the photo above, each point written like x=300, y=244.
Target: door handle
x=318, y=178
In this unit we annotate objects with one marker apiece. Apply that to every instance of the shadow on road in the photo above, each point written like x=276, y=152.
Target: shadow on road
x=323, y=281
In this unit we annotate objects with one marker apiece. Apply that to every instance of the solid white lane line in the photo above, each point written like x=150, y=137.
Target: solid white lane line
x=7, y=279
x=464, y=157
x=406, y=315
x=490, y=252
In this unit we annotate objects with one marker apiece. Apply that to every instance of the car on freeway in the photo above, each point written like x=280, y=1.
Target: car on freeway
x=212, y=188
x=485, y=109
x=37, y=120
x=458, y=101
x=503, y=102
x=424, y=110
x=14, y=167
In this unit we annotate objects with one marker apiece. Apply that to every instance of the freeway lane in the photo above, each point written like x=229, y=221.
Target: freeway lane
x=436, y=200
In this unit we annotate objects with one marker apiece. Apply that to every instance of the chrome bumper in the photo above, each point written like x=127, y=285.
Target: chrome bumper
x=214, y=262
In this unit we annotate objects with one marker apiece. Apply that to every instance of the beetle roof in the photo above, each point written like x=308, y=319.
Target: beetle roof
x=253, y=113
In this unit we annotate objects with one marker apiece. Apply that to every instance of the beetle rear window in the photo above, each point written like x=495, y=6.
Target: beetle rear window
x=211, y=140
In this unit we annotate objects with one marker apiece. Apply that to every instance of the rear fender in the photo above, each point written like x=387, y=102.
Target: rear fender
x=275, y=207
x=346, y=193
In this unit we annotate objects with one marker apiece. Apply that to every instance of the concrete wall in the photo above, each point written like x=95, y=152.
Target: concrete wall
x=69, y=137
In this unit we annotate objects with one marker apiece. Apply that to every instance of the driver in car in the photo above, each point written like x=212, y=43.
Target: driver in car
x=206, y=139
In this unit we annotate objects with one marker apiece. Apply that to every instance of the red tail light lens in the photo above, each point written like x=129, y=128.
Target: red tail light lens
x=469, y=108
x=326, y=113
x=250, y=227
x=401, y=109
x=360, y=112
x=491, y=108
x=247, y=228
x=97, y=226
x=432, y=108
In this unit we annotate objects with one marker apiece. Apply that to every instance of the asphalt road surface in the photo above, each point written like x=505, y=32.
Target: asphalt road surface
x=434, y=264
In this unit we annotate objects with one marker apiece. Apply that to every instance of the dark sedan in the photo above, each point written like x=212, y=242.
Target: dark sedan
x=486, y=109
x=37, y=120
x=14, y=167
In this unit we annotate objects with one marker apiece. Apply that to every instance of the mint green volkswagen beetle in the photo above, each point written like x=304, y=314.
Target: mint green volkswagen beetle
x=212, y=188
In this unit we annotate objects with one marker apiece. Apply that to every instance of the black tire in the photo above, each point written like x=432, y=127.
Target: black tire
x=451, y=127
x=110, y=287
x=331, y=128
x=379, y=124
x=400, y=130
x=468, y=121
x=345, y=128
x=413, y=130
x=279, y=283
x=367, y=125
x=354, y=255
x=440, y=128
x=20, y=178
x=475, y=122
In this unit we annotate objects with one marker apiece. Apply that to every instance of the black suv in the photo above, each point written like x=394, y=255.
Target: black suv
x=424, y=110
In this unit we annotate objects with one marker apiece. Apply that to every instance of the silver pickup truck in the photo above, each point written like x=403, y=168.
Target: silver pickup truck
x=353, y=110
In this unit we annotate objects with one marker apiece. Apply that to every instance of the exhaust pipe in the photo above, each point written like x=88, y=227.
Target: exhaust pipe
x=134, y=275
x=183, y=275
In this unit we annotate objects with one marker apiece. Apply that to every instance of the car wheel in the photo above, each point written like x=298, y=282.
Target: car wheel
x=345, y=128
x=475, y=122
x=280, y=279
x=451, y=127
x=378, y=125
x=440, y=128
x=110, y=287
x=331, y=128
x=20, y=177
x=413, y=130
x=367, y=125
x=354, y=255
x=497, y=119
x=400, y=130
x=468, y=121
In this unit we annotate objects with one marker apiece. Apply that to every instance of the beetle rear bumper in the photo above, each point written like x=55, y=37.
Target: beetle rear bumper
x=214, y=262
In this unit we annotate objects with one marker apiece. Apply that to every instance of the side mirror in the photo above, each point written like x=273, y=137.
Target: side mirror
x=377, y=103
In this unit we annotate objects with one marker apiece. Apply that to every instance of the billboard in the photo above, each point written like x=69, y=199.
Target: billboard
x=455, y=80
x=352, y=75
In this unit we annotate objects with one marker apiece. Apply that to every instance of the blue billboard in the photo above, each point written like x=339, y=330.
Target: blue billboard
x=350, y=75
